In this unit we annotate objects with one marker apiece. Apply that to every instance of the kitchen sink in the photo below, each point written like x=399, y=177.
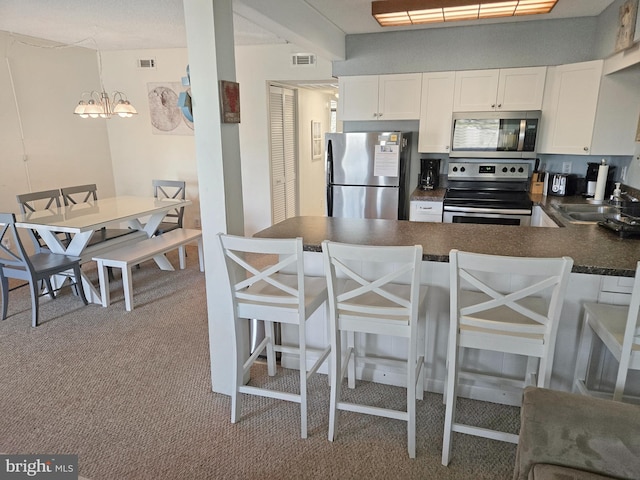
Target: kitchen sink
x=585, y=212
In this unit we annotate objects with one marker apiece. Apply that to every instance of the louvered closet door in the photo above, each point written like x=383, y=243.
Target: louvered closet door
x=284, y=193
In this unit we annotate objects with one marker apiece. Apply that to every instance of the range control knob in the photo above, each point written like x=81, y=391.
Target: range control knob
x=462, y=169
x=513, y=169
x=521, y=170
x=455, y=169
x=505, y=169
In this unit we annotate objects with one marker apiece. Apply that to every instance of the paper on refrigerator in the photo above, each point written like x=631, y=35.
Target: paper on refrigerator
x=386, y=161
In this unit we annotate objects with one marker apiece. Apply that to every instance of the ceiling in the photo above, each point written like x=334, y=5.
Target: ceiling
x=142, y=24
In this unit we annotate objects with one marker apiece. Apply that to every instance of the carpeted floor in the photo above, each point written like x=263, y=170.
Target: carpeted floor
x=130, y=394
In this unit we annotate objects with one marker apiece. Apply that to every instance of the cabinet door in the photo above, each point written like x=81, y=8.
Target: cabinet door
x=358, y=98
x=569, y=108
x=521, y=88
x=399, y=96
x=475, y=90
x=435, y=112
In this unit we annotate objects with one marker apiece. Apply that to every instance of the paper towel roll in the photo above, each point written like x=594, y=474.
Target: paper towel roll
x=601, y=182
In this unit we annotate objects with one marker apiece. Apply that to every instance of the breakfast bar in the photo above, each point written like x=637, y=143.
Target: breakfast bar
x=604, y=265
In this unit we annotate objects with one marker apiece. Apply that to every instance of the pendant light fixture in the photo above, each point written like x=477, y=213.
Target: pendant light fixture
x=102, y=105
x=395, y=13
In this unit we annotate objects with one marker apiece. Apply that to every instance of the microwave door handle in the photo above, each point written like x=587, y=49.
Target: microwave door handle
x=523, y=129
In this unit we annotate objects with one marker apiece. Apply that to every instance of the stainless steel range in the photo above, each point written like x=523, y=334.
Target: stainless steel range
x=488, y=192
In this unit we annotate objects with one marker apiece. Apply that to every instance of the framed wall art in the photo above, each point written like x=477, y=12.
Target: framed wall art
x=230, y=101
x=316, y=140
x=626, y=25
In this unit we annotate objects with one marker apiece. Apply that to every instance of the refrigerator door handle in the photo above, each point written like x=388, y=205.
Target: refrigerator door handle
x=329, y=179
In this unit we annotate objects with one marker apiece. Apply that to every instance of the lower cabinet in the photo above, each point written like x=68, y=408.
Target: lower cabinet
x=540, y=219
x=425, y=211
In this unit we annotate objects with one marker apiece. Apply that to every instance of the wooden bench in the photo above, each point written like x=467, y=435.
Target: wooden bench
x=127, y=256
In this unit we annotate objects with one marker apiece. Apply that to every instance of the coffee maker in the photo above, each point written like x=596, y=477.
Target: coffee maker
x=429, y=173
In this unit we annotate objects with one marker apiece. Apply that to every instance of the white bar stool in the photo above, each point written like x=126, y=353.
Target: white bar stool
x=502, y=304
x=618, y=328
x=279, y=292
x=374, y=290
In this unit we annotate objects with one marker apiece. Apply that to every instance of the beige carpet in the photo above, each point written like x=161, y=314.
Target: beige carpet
x=130, y=394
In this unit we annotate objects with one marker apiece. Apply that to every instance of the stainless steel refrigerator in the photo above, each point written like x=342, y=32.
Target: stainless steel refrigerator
x=368, y=174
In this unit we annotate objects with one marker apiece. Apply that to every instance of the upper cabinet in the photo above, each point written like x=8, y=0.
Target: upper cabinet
x=585, y=113
x=506, y=89
x=380, y=97
x=569, y=109
x=435, y=112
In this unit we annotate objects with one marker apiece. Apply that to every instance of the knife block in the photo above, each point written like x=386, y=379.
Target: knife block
x=537, y=183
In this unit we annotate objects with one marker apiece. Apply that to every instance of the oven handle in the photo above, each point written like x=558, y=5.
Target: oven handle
x=497, y=211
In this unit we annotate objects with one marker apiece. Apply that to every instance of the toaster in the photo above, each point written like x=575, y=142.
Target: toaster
x=562, y=184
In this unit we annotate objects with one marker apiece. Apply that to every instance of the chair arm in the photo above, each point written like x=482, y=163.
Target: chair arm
x=577, y=431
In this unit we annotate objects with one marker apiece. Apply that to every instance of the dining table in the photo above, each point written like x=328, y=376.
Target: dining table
x=79, y=221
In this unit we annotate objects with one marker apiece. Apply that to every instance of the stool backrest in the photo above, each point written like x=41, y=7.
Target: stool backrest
x=269, y=287
x=362, y=280
x=491, y=275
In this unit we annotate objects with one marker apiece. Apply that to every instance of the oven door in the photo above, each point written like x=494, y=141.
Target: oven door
x=490, y=216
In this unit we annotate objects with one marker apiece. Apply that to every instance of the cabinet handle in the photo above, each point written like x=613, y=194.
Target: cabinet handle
x=446, y=147
x=425, y=208
x=375, y=115
x=493, y=105
x=586, y=149
x=380, y=114
x=499, y=105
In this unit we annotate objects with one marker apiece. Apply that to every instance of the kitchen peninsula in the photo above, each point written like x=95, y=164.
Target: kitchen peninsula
x=601, y=258
x=593, y=249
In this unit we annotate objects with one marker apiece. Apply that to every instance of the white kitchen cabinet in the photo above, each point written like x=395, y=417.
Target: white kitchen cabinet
x=569, y=108
x=380, y=97
x=507, y=89
x=585, y=113
x=540, y=219
x=436, y=105
x=425, y=211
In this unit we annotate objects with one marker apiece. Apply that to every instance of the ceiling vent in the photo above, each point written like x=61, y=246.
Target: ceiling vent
x=146, y=63
x=303, y=59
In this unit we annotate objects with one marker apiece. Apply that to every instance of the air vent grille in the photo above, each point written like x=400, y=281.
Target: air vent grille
x=146, y=63
x=303, y=59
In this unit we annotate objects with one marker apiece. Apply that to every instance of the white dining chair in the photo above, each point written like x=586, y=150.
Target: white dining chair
x=278, y=292
x=501, y=304
x=374, y=291
x=618, y=328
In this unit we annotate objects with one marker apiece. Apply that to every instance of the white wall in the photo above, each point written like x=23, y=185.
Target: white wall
x=139, y=155
x=312, y=106
x=255, y=67
x=38, y=124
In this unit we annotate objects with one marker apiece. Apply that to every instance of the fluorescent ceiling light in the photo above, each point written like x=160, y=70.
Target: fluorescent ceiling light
x=394, y=13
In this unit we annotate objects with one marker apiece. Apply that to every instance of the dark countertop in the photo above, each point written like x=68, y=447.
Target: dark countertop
x=435, y=195
x=594, y=249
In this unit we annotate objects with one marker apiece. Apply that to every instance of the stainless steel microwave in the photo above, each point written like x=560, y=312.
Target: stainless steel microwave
x=495, y=134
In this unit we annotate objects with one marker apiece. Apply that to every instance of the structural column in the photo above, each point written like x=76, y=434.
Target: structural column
x=209, y=25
